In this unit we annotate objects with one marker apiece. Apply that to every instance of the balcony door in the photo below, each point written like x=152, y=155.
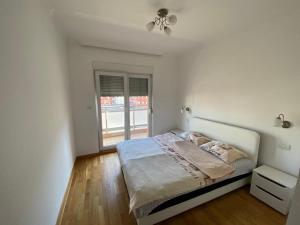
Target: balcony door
x=124, y=107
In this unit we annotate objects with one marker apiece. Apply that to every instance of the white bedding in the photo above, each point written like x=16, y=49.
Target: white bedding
x=148, y=148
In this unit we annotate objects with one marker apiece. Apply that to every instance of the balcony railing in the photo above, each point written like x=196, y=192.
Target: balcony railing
x=113, y=123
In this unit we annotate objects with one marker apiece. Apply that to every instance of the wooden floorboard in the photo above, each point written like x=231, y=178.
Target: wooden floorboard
x=98, y=196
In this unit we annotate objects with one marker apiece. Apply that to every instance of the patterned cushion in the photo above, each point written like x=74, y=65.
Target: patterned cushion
x=224, y=151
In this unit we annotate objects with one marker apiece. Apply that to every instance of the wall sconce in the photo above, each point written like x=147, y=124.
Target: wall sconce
x=185, y=109
x=280, y=121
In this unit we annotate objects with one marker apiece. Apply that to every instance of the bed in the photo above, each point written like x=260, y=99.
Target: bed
x=161, y=186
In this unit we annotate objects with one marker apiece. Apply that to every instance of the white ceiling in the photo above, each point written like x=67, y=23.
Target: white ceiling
x=120, y=24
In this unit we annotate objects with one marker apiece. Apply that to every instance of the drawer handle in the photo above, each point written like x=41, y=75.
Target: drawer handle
x=271, y=180
x=269, y=193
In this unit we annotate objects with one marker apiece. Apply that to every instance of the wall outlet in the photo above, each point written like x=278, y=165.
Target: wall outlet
x=284, y=146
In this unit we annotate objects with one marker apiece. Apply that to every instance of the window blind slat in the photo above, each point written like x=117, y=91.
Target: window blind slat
x=111, y=85
x=138, y=86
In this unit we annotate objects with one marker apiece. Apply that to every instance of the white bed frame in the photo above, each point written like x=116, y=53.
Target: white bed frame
x=244, y=139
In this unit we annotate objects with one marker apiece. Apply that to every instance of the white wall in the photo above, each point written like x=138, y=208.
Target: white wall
x=36, y=147
x=81, y=61
x=247, y=80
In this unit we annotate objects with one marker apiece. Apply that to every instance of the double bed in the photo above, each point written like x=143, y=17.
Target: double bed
x=162, y=181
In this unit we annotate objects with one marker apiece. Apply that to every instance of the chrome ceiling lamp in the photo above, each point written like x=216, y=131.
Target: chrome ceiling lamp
x=163, y=21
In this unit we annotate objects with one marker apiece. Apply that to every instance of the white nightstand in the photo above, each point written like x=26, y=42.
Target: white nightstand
x=273, y=187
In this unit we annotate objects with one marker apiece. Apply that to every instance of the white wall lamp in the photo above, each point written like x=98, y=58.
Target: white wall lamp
x=185, y=109
x=281, y=122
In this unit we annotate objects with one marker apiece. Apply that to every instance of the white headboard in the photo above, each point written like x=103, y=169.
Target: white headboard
x=241, y=138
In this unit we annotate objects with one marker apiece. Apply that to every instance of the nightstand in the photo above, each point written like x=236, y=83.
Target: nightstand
x=273, y=187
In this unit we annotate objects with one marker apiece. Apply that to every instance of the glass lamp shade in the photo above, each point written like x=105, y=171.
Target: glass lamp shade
x=150, y=26
x=182, y=110
x=278, y=122
x=167, y=30
x=172, y=19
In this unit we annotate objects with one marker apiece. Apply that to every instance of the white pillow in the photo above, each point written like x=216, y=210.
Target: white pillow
x=180, y=133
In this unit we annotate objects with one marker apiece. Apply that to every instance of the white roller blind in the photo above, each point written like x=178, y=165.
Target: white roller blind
x=138, y=86
x=111, y=85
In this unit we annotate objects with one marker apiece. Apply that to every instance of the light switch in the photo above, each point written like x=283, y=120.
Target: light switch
x=284, y=146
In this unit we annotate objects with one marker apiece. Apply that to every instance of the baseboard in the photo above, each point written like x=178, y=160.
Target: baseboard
x=103, y=152
x=113, y=150
x=64, y=201
x=88, y=155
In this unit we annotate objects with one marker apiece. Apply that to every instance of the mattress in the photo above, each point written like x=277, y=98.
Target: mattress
x=147, y=147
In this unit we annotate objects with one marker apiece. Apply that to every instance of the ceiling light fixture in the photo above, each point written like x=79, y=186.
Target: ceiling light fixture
x=163, y=21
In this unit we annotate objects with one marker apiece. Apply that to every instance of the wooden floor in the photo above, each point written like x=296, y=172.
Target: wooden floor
x=98, y=195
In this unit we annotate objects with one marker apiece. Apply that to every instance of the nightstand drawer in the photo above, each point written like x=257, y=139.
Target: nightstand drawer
x=276, y=189
x=278, y=204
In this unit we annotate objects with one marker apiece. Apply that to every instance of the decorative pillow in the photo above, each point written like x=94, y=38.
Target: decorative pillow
x=198, y=139
x=224, y=151
x=207, y=146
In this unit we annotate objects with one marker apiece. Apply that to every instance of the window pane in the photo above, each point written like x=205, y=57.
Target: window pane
x=112, y=113
x=138, y=117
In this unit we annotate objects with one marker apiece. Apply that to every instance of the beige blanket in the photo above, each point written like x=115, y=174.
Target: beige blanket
x=213, y=167
x=156, y=178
